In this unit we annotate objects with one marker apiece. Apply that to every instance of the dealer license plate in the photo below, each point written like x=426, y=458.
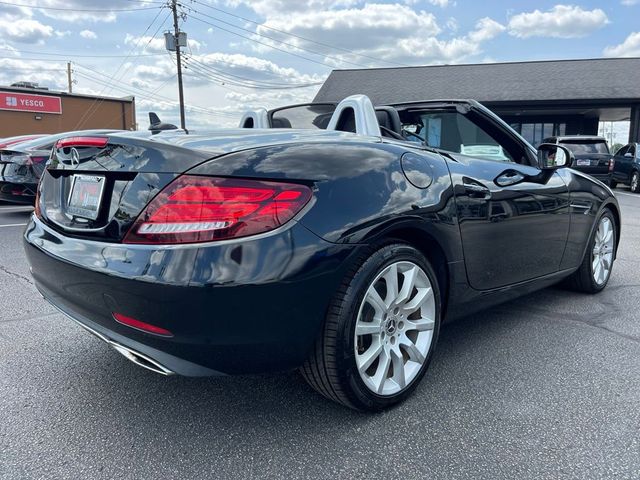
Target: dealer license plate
x=583, y=163
x=85, y=196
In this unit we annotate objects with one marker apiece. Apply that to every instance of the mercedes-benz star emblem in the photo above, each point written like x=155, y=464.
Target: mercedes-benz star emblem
x=75, y=157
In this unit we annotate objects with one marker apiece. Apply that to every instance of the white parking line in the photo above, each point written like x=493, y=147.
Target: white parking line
x=627, y=194
x=13, y=225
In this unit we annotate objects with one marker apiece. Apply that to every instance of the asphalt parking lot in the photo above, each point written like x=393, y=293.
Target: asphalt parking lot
x=547, y=386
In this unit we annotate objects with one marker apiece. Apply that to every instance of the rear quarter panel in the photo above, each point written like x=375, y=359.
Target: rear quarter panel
x=360, y=190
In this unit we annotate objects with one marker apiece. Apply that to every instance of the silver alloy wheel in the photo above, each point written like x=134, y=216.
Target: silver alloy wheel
x=394, y=328
x=602, y=257
x=635, y=178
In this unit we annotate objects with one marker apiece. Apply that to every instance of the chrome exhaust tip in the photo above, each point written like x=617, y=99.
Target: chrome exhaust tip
x=140, y=359
x=134, y=356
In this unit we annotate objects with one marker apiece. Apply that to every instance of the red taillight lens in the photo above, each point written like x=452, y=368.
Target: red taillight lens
x=612, y=164
x=203, y=209
x=137, y=324
x=99, y=142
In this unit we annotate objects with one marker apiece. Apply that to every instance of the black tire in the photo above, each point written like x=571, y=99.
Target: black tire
x=582, y=279
x=634, y=182
x=612, y=184
x=331, y=368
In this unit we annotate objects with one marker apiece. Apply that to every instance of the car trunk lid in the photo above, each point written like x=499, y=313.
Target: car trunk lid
x=95, y=187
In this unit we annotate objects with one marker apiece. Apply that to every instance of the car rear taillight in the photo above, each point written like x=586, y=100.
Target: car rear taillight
x=612, y=164
x=99, y=142
x=203, y=209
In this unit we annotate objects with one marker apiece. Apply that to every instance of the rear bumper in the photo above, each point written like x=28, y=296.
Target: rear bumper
x=239, y=307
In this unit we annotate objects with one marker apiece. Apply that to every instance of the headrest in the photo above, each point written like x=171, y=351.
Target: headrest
x=280, y=122
x=388, y=117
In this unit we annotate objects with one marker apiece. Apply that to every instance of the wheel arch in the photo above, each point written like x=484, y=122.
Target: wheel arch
x=615, y=211
x=426, y=244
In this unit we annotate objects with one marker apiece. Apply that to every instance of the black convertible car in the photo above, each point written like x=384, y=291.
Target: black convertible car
x=339, y=251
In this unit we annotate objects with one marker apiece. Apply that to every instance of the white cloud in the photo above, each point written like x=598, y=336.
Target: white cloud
x=268, y=8
x=433, y=50
x=440, y=3
x=562, y=21
x=378, y=33
x=89, y=34
x=355, y=27
x=374, y=27
x=629, y=48
x=486, y=29
x=15, y=69
x=629, y=3
x=256, y=69
x=78, y=16
x=24, y=30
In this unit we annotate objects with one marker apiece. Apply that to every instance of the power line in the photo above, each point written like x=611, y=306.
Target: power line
x=313, y=52
x=244, y=82
x=263, y=82
x=96, y=10
x=95, y=105
x=154, y=98
x=262, y=43
x=334, y=47
x=69, y=55
x=150, y=95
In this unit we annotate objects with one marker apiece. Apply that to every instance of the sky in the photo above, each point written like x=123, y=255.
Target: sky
x=244, y=54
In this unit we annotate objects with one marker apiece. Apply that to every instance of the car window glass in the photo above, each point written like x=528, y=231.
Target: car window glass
x=622, y=151
x=454, y=132
x=303, y=116
x=580, y=147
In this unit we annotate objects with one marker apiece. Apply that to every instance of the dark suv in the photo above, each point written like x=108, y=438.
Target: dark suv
x=591, y=153
x=626, y=167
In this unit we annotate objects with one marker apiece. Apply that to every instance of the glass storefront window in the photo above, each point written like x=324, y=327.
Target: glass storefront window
x=534, y=133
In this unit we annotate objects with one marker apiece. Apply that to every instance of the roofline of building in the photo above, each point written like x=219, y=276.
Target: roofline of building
x=483, y=64
x=37, y=91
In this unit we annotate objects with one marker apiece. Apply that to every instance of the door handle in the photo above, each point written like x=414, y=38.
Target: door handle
x=509, y=178
x=476, y=190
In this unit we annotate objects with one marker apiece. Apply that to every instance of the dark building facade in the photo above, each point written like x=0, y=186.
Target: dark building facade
x=539, y=99
x=25, y=111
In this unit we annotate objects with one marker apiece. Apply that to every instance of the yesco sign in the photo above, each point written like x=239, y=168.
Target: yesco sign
x=24, y=102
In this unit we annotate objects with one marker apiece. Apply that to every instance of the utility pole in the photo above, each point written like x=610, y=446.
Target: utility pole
x=176, y=31
x=69, y=77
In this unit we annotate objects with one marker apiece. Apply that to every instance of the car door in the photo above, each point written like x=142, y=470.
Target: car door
x=513, y=217
x=631, y=162
x=622, y=164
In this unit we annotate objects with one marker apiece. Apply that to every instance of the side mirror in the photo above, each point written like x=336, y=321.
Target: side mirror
x=551, y=156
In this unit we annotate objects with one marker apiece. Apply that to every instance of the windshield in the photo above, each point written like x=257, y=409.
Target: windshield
x=303, y=116
x=581, y=147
